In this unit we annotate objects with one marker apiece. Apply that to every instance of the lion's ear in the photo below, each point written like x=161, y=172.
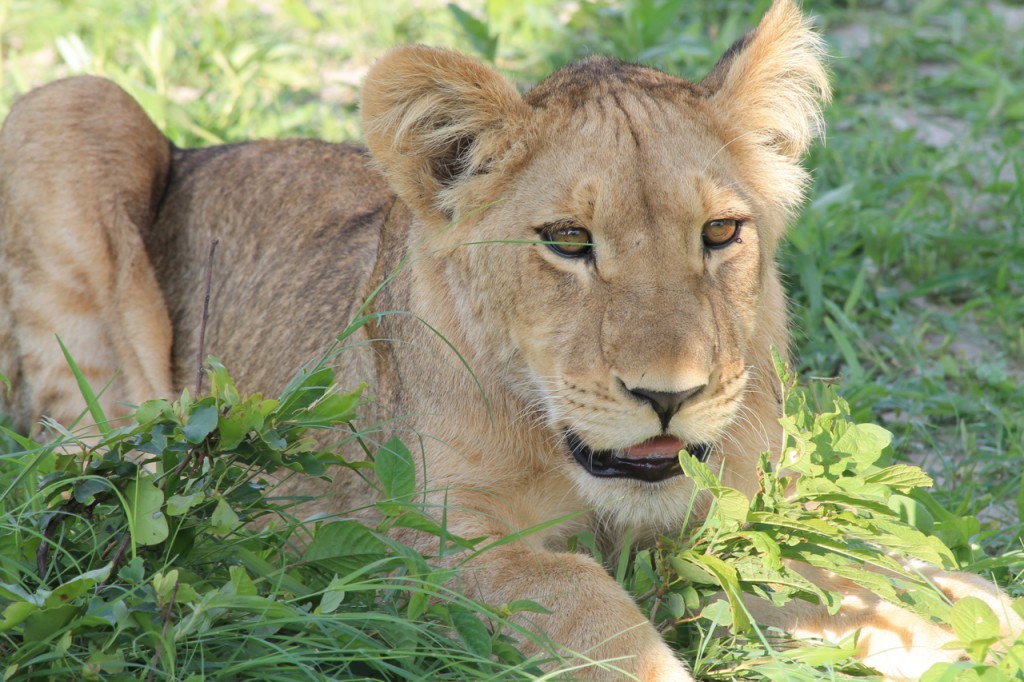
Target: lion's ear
x=434, y=119
x=770, y=84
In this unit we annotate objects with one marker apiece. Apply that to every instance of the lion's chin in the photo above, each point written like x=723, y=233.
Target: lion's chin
x=651, y=461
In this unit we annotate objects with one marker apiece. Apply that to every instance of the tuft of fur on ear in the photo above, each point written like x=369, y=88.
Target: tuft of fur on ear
x=769, y=88
x=435, y=120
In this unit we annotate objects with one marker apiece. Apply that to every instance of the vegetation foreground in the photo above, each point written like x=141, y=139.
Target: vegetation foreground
x=905, y=276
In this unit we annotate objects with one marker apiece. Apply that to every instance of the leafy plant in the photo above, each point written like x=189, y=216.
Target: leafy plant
x=835, y=504
x=157, y=552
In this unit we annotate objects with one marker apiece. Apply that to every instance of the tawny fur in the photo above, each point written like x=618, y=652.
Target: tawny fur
x=106, y=227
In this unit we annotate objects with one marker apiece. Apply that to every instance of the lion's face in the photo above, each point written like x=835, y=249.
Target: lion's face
x=607, y=243
x=632, y=337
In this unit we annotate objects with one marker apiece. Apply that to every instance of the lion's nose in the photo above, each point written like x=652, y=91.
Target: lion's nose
x=665, y=403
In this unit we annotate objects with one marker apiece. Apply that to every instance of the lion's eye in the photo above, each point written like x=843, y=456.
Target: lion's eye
x=719, y=233
x=567, y=240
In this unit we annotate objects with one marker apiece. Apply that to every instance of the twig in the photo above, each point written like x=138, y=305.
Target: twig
x=168, y=608
x=192, y=452
x=43, y=553
x=122, y=547
x=206, y=315
x=49, y=531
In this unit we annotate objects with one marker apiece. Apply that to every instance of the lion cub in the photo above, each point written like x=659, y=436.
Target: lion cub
x=600, y=251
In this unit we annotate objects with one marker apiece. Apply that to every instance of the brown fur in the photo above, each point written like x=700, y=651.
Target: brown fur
x=106, y=227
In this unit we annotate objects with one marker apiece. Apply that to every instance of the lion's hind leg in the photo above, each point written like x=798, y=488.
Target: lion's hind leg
x=82, y=170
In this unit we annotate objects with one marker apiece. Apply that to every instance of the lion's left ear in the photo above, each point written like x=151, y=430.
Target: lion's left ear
x=435, y=119
x=770, y=85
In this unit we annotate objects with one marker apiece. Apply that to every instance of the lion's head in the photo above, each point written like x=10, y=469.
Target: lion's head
x=609, y=242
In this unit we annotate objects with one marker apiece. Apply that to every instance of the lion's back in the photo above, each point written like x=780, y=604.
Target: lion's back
x=298, y=229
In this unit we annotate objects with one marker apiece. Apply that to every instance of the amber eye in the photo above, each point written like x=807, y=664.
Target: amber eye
x=719, y=233
x=566, y=239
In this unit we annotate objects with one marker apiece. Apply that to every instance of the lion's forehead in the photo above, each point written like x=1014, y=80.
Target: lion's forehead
x=600, y=76
x=632, y=153
x=632, y=121
x=621, y=198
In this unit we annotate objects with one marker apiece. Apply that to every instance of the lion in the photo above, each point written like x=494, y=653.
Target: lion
x=600, y=251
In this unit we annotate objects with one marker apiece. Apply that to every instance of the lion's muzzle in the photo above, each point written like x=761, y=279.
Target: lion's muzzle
x=653, y=460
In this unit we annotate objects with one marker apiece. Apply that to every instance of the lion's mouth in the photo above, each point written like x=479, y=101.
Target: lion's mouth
x=652, y=460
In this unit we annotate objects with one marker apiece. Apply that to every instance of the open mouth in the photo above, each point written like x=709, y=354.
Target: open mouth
x=652, y=460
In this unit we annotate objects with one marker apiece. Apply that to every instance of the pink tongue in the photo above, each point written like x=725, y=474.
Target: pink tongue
x=661, y=446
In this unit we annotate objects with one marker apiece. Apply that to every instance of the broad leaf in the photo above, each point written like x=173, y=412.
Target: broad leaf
x=146, y=522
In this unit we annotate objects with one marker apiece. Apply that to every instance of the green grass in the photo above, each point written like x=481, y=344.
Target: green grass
x=919, y=192
x=905, y=270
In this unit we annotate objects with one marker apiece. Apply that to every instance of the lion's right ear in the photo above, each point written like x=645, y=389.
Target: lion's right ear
x=434, y=119
x=768, y=90
x=773, y=81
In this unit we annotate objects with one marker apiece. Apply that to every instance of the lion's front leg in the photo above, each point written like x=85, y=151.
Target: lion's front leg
x=82, y=170
x=898, y=643
x=592, y=618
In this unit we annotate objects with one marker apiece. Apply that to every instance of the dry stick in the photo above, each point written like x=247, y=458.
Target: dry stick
x=200, y=351
x=168, y=611
x=62, y=513
x=118, y=557
x=206, y=315
x=122, y=547
x=43, y=552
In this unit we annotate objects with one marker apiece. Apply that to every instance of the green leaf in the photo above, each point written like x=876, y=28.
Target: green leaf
x=913, y=512
x=241, y=582
x=344, y=547
x=164, y=583
x=224, y=519
x=257, y=565
x=733, y=505
x=729, y=580
x=221, y=384
x=697, y=470
x=901, y=476
x=676, y=605
x=972, y=619
x=528, y=605
x=26, y=443
x=863, y=442
x=14, y=614
x=948, y=672
x=145, y=520
x=471, y=630
x=478, y=32
x=332, y=408
x=153, y=410
x=822, y=654
x=76, y=587
x=718, y=612
x=45, y=623
x=241, y=420
x=133, y=572
x=332, y=597
x=201, y=423
x=418, y=603
x=91, y=402
x=690, y=572
x=177, y=505
x=303, y=390
x=84, y=489
x=15, y=592
x=417, y=520
x=396, y=470
x=768, y=550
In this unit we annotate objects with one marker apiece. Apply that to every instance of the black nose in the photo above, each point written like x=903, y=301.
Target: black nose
x=666, y=403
